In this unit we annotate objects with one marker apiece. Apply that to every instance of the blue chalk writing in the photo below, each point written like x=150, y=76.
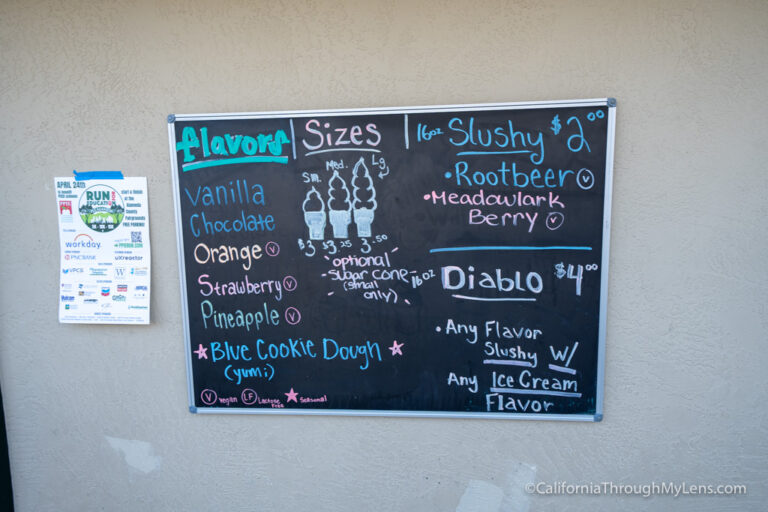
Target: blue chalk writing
x=578, y=136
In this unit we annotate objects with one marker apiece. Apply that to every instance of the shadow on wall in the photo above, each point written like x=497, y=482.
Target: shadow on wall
x=6, y=491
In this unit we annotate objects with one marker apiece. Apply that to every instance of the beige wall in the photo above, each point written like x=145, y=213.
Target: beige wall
x=97, y=416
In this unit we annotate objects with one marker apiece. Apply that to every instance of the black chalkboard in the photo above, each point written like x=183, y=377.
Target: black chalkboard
x=404, y=261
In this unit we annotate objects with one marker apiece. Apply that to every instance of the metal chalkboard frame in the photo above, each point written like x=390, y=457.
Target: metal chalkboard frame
x=604, y=262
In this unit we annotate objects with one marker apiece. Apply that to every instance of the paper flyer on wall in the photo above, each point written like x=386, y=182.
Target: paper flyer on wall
x=105, y=257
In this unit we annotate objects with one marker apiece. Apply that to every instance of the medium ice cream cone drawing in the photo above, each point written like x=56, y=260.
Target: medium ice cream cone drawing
x=314, y=214
x=339, y=206
x=364, y=204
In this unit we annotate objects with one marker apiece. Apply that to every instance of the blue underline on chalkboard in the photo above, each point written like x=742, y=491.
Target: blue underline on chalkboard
x=333, y=150
x=492, y=152
x=534, y=392
x=513, y=248
x=229, y=161
x=508, y=362
x=494, y=299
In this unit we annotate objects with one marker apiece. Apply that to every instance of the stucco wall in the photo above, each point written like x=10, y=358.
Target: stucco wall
x=97, y=416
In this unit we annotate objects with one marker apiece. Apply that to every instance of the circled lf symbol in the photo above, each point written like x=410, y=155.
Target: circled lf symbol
x=248, y=396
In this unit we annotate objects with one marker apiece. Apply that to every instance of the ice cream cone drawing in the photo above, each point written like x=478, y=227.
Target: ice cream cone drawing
x=364, y=204
x=314, y=214
x=339, y=206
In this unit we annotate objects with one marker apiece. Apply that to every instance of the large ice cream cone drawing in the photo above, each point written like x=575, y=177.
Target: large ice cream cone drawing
x=314, y=214
x=364, y=204
x=339, y=206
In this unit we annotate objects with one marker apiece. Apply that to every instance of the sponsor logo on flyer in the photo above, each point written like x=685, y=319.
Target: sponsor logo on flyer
x=135, y=242
x=118, y=298
x=79, y=256
x=65, y=211
x=82, y=241
x=72, y=270
x=139, y=271
x=122, y=288
x=105, y=291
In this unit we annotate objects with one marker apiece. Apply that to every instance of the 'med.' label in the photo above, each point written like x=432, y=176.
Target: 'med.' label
x=230, y=148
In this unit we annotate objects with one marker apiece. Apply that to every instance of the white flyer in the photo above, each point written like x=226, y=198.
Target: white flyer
x=105, y=257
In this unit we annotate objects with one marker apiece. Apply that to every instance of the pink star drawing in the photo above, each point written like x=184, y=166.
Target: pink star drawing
x=202, y=352
x=395, y=348
x=292, y=396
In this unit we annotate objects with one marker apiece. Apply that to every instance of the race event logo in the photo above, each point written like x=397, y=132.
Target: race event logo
x=101, y=208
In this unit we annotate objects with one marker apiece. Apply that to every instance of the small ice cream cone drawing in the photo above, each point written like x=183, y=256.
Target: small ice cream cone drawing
x=364, y=204
x=314, y=214
x=339, y=206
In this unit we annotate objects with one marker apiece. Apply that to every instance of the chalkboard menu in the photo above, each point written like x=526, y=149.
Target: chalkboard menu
x=425, y=261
